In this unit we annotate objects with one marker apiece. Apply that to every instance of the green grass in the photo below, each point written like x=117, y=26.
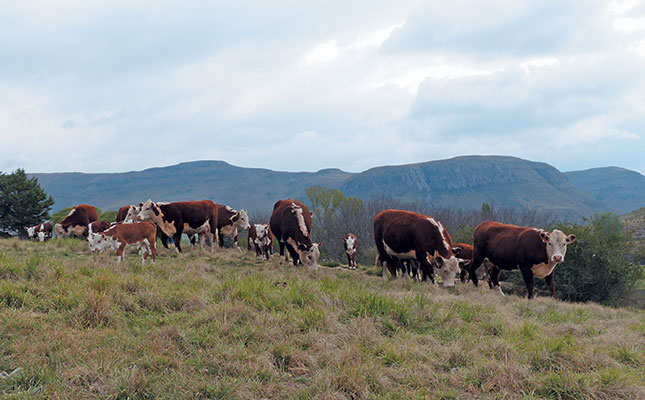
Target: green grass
x=225, y=326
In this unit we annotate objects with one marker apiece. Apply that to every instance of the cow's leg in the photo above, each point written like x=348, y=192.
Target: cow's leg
x=550, y=282
x=493, y=279
x=119, y=252
x=192, y=240
x=153, y=249
x=527, y=274
x=144, y=253
x=426, y=267
x=221, y=238
x=177, y=239
x=477, y=261
x=237, y=246
x=294, y=254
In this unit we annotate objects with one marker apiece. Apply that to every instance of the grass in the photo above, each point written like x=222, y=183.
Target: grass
x=225, y=326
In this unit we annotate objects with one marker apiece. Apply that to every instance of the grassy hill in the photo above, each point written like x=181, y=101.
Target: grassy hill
x=621, y=190
x=197, y=325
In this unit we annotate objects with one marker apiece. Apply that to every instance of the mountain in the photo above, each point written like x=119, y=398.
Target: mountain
x=460, y=182
x=249, y=188
x=466, y=182
x=621, y=190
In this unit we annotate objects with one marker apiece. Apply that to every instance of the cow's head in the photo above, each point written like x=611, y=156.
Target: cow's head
x=309, y=256
x=350, y=244
x=448, y=267
x=95, y=241
x=31, y=231
x=556, y=244
x=133, y=211
x=240, y=220
x=41, y=236
x=150, y=211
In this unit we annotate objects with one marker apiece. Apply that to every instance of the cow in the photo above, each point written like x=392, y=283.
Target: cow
x=41, y=231
x=535, y=252
x=97, y=226
x=291, y=225
x=262, y=238
x=403, y=235
x=174, y=218
x=350, y=243
x=123, y=211
x=131, y=216
x=76, y=222
x=229, y=221
x=142, y=235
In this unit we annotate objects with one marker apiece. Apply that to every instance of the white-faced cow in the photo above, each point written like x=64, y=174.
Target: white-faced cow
x=261, y=237
x=405, y=235
x=141, y=235
x=532, y=251
x=350, y=243
x=42, y=231
x=291, y=225
x=76, y=222
x=131, y=216
x=229, y=221
x=174, y=218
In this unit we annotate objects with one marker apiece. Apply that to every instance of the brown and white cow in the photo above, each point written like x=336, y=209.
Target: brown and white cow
x=291, y=225
x=262, y=238
x=41, y=231
x=76, y=222
x=229, y=221
x=131, y=216
x=403, y=235
x=535, y=252
x=141, y=235
x=123, y=211
x=350, y=243
x=174, y=218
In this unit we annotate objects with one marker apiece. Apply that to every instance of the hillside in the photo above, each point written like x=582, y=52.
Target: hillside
x=196, y=325
x=621, y=190
x=460, y=182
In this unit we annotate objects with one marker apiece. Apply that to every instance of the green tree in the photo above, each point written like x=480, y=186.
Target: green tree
x=22, y=201
x=323, y=203
x=59, y=215
x=109, y=216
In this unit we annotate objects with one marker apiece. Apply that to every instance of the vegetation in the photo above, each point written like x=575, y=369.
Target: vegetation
x=22, y=201
x=197, y=325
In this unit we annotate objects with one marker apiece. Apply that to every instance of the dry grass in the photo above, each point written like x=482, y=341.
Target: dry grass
x=198, y=325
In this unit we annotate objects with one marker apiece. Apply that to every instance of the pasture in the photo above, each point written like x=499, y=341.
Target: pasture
x=225, y=326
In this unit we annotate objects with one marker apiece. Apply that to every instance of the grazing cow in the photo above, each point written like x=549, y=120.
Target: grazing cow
x=76, y=222
x=142, y=235
x=350, y=242
x=404, y=235
x=174, y=218
x=262, y=238
x=41, y=231
x=291, y=225
x=533, y=251
x=229, y=221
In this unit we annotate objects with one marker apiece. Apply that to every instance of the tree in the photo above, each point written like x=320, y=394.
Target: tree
x=22, y=201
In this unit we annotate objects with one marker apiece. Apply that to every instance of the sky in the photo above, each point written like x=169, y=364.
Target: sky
x=96, y=86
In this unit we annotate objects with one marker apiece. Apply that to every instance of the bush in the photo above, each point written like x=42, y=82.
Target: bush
x=597, y=266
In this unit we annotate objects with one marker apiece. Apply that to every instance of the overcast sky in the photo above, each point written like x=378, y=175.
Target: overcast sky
x=110, y=86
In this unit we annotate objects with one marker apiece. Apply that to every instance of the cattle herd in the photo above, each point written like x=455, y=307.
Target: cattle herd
x=408, y=244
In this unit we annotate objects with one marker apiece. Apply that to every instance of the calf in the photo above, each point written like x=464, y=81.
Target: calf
x=291, y=225
x=76, y=222
x=404, y=235
x=41, y=231
x=262, y=238
x=350, y=242
x=142, y=235
x=229, y=221
x=174, y=218
x=532, y=251
x=465, y=259
x=131, y=216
